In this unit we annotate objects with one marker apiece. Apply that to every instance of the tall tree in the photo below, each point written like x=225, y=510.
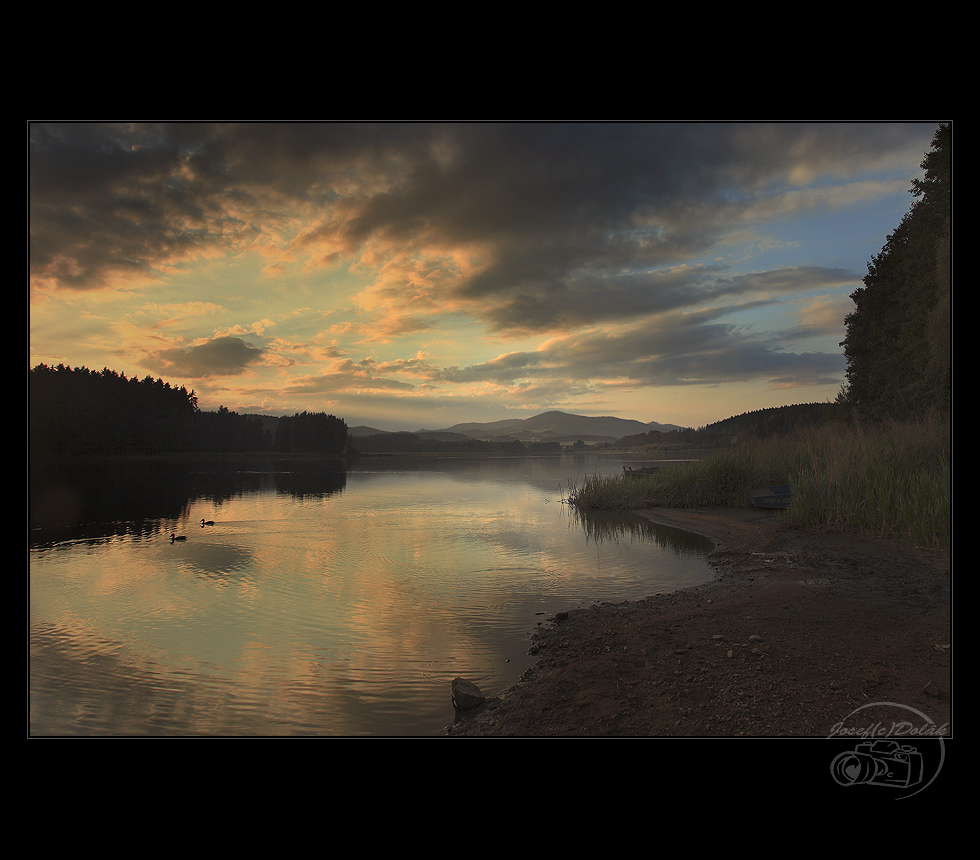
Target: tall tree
x=898, y=337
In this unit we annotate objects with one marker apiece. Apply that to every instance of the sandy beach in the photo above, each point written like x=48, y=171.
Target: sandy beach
x=795, y=632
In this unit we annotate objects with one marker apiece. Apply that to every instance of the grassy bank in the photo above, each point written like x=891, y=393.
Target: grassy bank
x=893, y=480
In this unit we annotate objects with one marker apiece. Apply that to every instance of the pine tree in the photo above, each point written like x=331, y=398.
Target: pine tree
x=898, y=338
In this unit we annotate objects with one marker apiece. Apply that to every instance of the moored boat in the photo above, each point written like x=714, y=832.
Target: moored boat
x=630, y=472
x=771, y=497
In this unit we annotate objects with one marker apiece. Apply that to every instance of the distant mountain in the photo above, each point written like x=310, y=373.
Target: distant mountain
x=559, y=427
x=362, y=430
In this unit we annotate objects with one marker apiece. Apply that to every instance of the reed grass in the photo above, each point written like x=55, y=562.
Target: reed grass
x=891, y=479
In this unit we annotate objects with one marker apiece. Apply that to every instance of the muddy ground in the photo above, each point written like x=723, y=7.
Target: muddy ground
x=796, y=632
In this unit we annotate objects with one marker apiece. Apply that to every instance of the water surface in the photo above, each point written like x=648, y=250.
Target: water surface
x=323, y=600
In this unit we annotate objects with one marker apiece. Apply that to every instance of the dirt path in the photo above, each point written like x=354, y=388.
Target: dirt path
x=796, y=632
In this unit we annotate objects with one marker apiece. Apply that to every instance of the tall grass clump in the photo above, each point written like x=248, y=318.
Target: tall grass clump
x=722, y=478
x=891, y=479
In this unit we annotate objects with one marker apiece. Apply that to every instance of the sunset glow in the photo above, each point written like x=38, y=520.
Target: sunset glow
x=406, y=275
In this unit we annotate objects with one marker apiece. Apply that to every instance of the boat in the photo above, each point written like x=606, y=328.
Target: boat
x=771, y=497
x=630, y=472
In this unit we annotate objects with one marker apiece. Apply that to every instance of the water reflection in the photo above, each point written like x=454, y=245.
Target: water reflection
x=216, y=560
x=102, y=499
x=615, y=526
x=323, y=600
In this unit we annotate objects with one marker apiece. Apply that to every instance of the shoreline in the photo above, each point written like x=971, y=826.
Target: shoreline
x=795, y=630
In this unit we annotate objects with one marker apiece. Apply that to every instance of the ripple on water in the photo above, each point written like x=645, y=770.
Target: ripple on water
x=346, y=613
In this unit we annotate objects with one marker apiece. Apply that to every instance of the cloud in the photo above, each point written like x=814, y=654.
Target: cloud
x=612, y=255
x=586, y=299
x=825, y=314
x=344, y=376
x=383, y=329
x=222, y=356
x=531, y=203
x=693, y=348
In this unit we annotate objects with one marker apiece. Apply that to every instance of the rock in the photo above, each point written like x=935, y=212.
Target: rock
x=931, y=689
x=466, y=695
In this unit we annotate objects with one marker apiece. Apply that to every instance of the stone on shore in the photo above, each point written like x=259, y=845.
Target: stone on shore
x=466, y=695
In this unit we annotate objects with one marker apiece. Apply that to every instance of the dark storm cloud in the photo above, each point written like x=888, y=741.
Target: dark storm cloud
x=594, y=298
x=223, y=356
x=680, y=349
x=111, y=199
x=556, y=204
x=560, y=203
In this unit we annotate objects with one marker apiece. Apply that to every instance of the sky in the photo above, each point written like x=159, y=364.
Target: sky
x=421, y=275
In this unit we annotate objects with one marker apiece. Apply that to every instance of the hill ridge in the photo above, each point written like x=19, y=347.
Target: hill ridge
x=552, y=425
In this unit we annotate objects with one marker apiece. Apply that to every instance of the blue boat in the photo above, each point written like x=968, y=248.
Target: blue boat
x=771, y=497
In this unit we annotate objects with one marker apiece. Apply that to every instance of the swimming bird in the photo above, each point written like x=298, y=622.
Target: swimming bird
x=174, y=536
x=206, y=523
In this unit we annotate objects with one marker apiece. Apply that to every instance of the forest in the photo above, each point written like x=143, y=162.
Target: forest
x=74, y=411
x=761, y=423
x=898, y=342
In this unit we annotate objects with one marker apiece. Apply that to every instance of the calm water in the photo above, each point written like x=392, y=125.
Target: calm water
x=321, y=601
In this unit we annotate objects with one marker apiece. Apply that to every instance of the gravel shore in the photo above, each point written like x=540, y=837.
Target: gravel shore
x=796, y=632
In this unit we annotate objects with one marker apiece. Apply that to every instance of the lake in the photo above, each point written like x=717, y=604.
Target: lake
x=324, y=600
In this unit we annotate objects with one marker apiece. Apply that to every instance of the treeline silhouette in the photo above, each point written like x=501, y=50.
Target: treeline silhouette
x=761, y=423
x=74, y=411
x=773, y=421
x=898, y=342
